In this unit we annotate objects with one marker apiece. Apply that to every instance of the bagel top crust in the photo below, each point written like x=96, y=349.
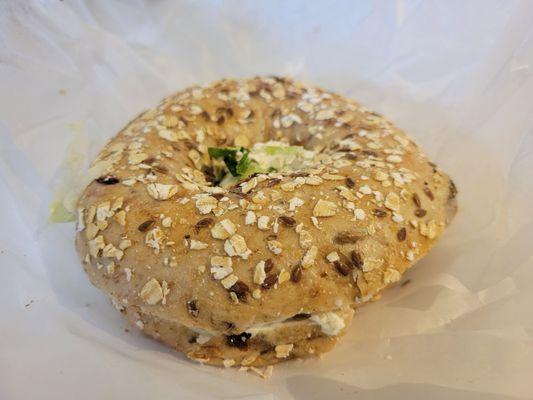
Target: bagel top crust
x=154, y=233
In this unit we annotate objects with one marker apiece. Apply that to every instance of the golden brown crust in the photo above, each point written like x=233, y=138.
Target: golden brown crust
x=158, y=237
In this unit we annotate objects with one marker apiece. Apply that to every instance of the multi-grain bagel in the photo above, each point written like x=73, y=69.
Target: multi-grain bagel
x=269, y=266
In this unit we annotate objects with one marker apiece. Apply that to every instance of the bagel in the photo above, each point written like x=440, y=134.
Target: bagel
x=242, y=223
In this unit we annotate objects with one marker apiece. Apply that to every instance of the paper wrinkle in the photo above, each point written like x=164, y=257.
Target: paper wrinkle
x=457, y=78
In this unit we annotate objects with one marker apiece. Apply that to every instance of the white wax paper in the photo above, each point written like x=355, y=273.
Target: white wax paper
x=456, y=75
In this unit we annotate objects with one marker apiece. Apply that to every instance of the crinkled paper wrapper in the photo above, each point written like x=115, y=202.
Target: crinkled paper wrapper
x=456, y=75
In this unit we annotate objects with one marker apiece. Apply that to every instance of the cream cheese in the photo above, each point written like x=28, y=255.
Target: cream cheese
x=281, y=156
x=330, y=323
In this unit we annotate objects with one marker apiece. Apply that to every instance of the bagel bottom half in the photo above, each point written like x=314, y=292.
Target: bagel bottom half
x=302, y=336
